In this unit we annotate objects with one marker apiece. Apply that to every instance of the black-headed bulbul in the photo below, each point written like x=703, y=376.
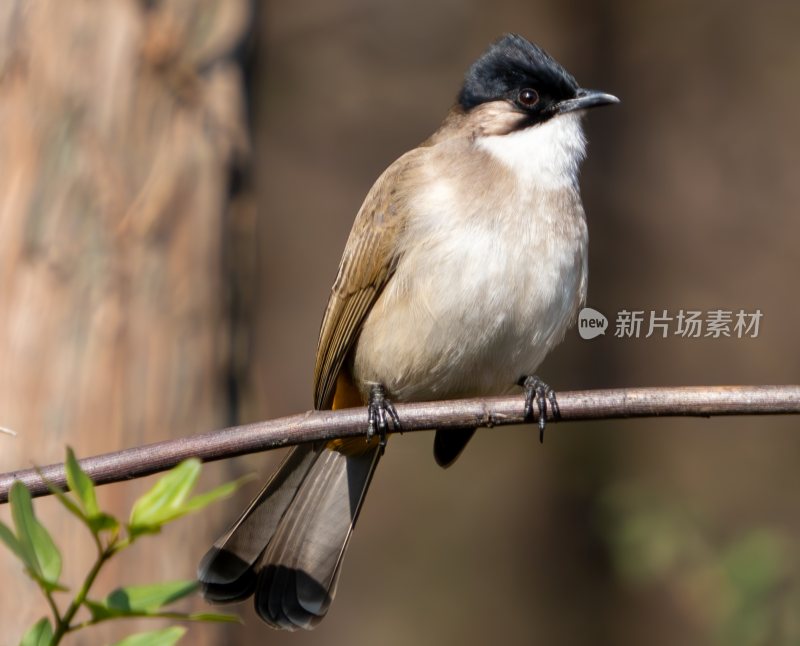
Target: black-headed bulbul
x=465, y=266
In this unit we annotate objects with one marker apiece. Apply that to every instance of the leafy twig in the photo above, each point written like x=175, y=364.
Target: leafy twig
x=169, y=499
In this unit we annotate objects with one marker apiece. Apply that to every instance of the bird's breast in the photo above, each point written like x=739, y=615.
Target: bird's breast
x=488, y=279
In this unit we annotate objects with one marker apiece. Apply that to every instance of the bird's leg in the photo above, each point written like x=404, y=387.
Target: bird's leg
x=381, y=414
x=536, y=389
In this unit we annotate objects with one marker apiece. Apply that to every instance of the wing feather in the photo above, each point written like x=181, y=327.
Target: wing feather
x=368, y=262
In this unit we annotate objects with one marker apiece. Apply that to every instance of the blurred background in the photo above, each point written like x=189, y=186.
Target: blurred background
x=177, y=181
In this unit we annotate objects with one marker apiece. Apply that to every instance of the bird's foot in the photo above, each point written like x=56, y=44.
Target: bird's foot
x=382, y=414
x=536, y=389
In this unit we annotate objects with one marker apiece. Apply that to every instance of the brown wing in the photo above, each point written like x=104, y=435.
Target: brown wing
x=368, y=262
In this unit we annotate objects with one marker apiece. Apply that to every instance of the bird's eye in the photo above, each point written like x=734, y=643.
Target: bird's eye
x=528, y=97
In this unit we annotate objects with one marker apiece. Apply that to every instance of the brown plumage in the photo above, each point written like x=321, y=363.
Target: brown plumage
x=367, y=264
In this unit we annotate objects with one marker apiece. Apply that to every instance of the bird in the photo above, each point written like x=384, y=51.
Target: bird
x=465, y=266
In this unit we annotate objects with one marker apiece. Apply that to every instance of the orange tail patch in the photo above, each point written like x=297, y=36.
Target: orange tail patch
x=347, y=396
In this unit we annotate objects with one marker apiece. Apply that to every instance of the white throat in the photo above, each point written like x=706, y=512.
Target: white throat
x=547, y=155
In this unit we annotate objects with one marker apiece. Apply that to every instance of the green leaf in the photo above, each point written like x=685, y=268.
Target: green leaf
x=81, y=485
x=146, y=598
x=168, y=500
x=71, y=506
x=40, y=634
x=204, y=499
x=164, y=502
x=24, y=549
x=38, y=549
x=7, y=536
x=88, y=510
x=103, y=522
x=96, y=524
x=140, y=601
x=101, y=611
x=165, y=637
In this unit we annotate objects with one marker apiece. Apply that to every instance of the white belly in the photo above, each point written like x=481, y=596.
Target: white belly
x=476, y=304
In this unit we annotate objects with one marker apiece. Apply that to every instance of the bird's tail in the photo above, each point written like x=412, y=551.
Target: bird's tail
x=288, y=545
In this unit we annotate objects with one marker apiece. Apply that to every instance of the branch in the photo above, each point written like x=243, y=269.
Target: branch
x=465, y=413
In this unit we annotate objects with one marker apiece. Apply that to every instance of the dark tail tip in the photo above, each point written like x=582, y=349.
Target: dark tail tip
x=224, y=577
x=290, y=599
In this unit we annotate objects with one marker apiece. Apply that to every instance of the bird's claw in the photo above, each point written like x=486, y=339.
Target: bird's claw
x=381, y=414
x=536, y=389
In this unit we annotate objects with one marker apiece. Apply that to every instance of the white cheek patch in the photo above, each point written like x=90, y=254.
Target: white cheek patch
x=547, y=155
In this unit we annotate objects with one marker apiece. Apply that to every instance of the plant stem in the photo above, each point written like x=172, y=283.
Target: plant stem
x=53, y=607
x=63, y=624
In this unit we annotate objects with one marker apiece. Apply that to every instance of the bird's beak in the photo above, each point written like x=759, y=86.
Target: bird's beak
x=585, y=99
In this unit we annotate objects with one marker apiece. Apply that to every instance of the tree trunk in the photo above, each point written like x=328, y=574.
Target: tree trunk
x=119, y=125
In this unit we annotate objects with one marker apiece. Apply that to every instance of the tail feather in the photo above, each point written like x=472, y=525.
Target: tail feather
x=449, y=443
x=226, y=573
x=300, y=567
x=276, y=587
x=288, y=546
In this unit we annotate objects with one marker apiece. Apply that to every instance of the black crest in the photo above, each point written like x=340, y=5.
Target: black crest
x=513, y=63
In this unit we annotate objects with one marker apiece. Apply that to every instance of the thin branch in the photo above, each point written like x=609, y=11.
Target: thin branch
x=465, y=413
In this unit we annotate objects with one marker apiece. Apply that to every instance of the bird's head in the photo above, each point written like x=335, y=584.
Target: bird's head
x=524, y=82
